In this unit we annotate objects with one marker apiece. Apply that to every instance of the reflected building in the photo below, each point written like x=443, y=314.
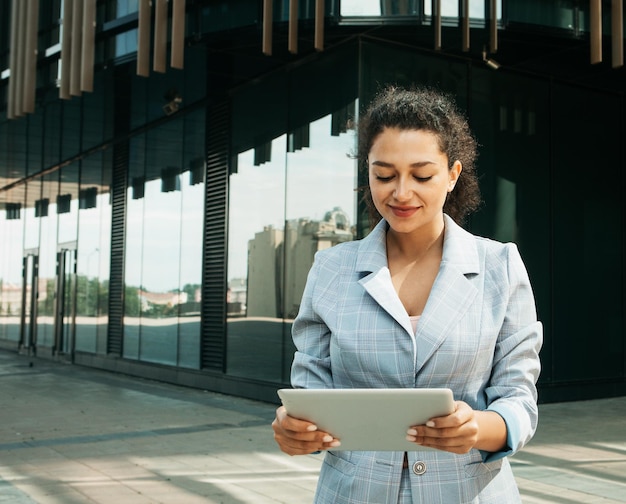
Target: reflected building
x=168, y=299
x=152, y=219
x=304, y=239
x=274, y=292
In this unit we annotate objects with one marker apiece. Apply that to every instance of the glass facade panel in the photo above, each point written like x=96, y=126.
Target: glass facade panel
x=255, y=262
x=279, y=217
x=164, y=243
x=52, y=124
x=31, y=283
x=47, y=260
x=565, y=14
x=93, y=117
x=125, y=7
x=191, y=233
x=71, y=137
x=159, y=295
x=11, y=254
x=93, y=218
x=35, y=134
x=291, y=193
x=67, y=203
x=320, y=199
x=449, y=8
x=125, y=43
x=134, y=246
x=31, y=223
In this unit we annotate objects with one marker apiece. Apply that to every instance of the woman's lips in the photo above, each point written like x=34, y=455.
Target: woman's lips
x=402, y=211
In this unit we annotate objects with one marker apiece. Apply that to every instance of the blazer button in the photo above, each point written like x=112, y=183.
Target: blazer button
x=419, y=468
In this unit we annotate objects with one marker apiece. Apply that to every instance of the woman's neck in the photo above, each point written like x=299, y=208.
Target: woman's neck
x=413, y=247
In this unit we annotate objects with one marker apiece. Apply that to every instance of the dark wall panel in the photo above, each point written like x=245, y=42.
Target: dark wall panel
x=588, y=226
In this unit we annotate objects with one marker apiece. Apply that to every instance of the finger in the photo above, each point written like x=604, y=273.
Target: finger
x=293, y=424
x=280, y=431
x=421, y=432
x=297, y=446
x=462, y=414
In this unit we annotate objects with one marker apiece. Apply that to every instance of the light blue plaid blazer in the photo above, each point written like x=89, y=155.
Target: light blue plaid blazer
x=478, y=335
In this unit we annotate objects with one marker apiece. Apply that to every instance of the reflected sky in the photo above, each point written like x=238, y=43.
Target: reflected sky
x=162, y=253
x=316, y=181
x=448, y=8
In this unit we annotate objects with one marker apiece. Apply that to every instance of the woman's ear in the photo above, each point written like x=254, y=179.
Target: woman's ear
x=454, y=173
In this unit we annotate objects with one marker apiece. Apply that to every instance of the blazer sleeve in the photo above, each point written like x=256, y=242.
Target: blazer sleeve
x=512, y=391
x=311, y=367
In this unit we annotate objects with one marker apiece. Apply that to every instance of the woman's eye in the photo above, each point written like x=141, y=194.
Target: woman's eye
x=423, y=179
x=383, y=179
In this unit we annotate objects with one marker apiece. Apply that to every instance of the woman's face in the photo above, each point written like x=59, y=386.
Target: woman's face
x=409, y=179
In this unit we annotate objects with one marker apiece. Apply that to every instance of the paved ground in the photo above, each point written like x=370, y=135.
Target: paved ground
x=71, y=435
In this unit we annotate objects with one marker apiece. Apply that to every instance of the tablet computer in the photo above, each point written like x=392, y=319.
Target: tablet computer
x=368, y=419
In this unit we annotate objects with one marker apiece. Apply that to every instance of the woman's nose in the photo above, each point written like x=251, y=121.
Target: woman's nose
x=403, y=190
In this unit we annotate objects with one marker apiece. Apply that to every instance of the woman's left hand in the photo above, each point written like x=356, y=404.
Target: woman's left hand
x=461, y=430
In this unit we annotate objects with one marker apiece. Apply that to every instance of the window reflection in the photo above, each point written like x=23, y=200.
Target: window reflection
x=164, y=244
x=449, y=8
x=281, y=213
x=191, y=235
x=11, y=252
x=47, y=262
x=133, y=245
x=94, y=231
x=255, y=269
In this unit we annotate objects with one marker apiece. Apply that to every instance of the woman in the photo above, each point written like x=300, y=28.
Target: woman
x=420, y=303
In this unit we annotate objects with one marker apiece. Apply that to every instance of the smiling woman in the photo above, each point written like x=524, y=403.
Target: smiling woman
x=420, y=303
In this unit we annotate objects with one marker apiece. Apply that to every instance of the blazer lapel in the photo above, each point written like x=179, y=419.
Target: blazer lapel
x=372, y=260
x=450, y=297
x=452, y=293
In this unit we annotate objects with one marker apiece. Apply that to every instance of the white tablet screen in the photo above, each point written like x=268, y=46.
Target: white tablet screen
x=368, y=419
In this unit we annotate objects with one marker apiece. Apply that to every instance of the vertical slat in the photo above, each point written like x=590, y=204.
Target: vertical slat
x=214, y=280
x=319, y=25
x=115, y=336
x=437, y=23
x=493, y=26
x=13, y=59
x=66, y=49
x=121, y=101
x=465, y=26
x=617, y=34
x=89, y=40
x=30, y=56
x=77, y=47
x=293, y=27
x=160, y=36
x=268, y=26
x=178, y=34
x=595, y=30
x=19, y=64
x=143, y=39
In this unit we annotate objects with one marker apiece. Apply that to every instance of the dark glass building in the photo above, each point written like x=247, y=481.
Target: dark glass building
x=169, y=168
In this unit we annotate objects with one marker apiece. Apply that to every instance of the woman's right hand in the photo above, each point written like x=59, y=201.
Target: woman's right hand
x=299, y=437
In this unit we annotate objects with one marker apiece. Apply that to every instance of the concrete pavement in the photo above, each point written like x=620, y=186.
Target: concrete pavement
x=73, y=435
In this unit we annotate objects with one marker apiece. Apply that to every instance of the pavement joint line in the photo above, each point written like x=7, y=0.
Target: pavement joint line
x=574, y=480
x=99, y=438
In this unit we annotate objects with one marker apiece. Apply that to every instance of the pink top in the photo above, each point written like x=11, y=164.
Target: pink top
x=414, y=320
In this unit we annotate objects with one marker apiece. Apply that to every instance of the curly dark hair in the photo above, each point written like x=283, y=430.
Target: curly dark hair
x=429, y=110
